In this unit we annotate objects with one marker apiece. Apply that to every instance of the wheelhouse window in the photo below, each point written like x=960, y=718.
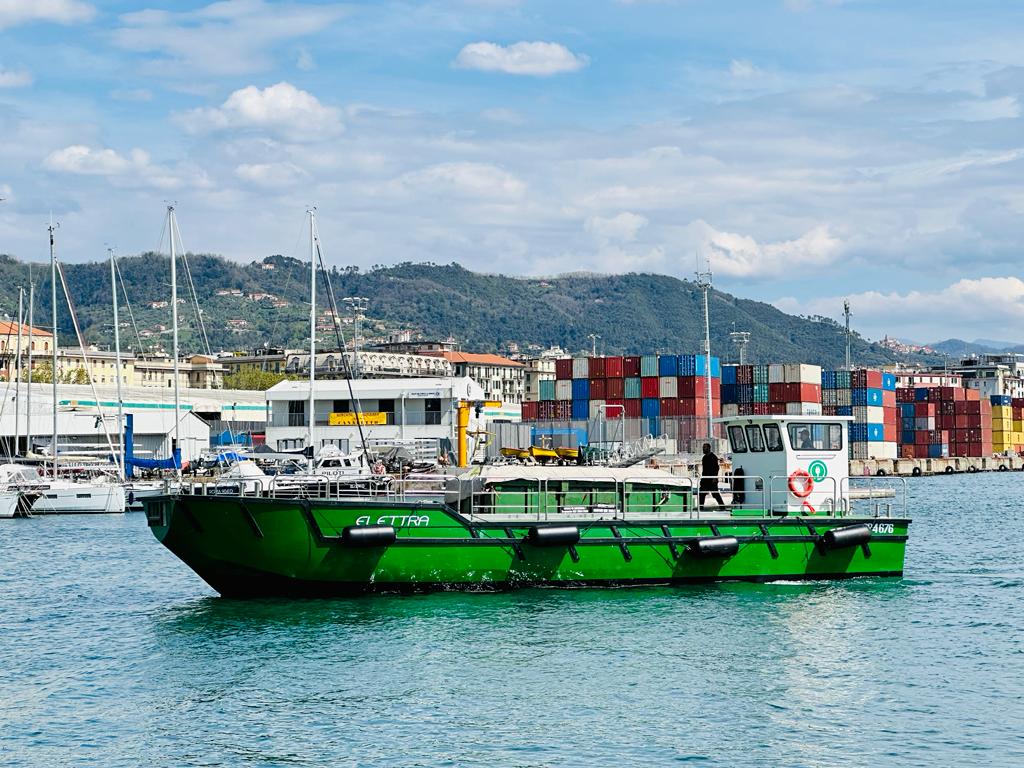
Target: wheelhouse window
x=773, y=437
x=816, y=437
x=736, y=439
x=754, y=439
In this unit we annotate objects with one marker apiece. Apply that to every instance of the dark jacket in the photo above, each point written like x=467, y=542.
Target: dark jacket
x=709, y=465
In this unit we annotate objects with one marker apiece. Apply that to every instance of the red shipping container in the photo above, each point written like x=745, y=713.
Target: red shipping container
x=974, y=449
x=688, y=386
x=761, y=409
x=890, y=433
x=596, y=369
x=873, y=379
x=808, y=393
x=905, y=395
x=888, y=399
x=530, y=410
x=907, y=452
x=649, y=386
x=791, y=392
x=934, y=394
x=563, y=368
x=670, y=406
x=972, y=407
x=889, y=416
x=777, y=409
x=633, y=409
x=613, y=367
x=545, y=410
x=615, y=389
x=777, y=393
x=563, y=410
x=745, y=409
x=921, y=437
x=614, y=408
x=597, y=388
x=972, y=395
x=961, y=420
x=923, y=409
x=859, y=379
x=948, y=393
x=631, y=367
x=745, y=374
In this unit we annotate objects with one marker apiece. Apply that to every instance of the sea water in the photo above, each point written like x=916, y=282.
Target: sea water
x=113, y=653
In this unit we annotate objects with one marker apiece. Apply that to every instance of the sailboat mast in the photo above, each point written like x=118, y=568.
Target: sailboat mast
x=117, y=367
x=31, y=344
x=17, y=375
x=312, y=334
x=171, y=226
x=53, y=347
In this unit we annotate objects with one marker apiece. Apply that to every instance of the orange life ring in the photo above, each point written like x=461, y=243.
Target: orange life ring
x=801, y=484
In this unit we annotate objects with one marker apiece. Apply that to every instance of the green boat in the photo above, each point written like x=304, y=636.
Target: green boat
x=501, y=527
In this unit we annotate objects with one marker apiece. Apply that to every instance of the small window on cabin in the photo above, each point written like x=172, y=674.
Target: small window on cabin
x=736, y=439
x=754, y=439
x=773, y=437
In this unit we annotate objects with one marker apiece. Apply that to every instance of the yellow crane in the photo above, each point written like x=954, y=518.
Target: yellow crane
x=462, y=425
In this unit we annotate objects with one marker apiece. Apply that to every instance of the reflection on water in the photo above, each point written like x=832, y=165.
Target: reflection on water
x=116, y=654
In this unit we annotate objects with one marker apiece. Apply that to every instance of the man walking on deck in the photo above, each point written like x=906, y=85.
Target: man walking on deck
x=709, y=470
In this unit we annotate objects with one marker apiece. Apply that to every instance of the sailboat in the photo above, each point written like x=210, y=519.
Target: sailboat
x=98, y=493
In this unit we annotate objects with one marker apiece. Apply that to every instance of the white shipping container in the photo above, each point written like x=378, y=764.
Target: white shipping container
x=581, y=367
x=668, y=386
x=858, y=450
x=803, y=409
x=860, y=414
x=597, y=409
x=776, y=373
x=563, y=389
x=876, y=414
x=883, y=450
x=842, y=396
x=828, y=397
x=730, y=409
x=801, y=373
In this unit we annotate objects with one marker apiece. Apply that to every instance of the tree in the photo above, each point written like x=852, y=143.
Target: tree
x=42, y=373
x=250, y=378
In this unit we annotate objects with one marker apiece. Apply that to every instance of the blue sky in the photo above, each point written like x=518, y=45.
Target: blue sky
x=813, y=149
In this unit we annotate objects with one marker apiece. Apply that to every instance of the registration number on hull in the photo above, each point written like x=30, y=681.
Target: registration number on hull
x=882, y=528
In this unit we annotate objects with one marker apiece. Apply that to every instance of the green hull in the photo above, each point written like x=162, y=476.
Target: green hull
x=255, y=547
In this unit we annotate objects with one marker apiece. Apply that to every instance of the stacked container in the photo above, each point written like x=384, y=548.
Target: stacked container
x=961, y=414
x=869, y=396
x=792, y=389
x=919, y=436
x=1005, y=435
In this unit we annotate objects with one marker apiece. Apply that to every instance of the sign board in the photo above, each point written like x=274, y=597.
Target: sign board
x=348, y=419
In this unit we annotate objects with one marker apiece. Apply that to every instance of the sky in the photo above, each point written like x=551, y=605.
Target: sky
x=809, y=150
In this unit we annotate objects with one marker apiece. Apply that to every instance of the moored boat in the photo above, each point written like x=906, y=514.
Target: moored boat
x=499, y=527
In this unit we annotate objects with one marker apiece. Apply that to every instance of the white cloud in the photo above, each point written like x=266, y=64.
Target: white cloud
x=478, y=180
x=743, y=69
x=280, y=109
x=623, y=228
x=988, y=307
x=14, y=12
x=304, y=60
x=738, y=255
x=523, y=58
x=271, y=175
x=134, y=169
x=232, y=37
x=15, y=78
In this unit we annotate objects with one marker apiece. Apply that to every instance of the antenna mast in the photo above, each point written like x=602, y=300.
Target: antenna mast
x=704, y=283
x=846, y=314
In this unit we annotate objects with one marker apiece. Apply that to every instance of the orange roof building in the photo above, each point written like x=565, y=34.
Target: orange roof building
x=501, y=379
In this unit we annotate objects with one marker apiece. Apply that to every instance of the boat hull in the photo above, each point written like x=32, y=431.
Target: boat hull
x=81, y=499
x=254, y=547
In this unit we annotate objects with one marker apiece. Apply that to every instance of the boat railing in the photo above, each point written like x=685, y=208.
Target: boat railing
x=409, y=488
x=823, y=496
x=745, y=491
x=884, y=496
x=611, y=498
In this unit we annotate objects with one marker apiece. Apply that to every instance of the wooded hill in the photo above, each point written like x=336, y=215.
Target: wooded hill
x=632, y=313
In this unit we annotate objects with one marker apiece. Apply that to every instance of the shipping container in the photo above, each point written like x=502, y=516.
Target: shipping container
x=580, y=389
x=631, y=367
x=530, y=411
x=668, y=365
x=563, y=389
x=633, y=388
x=668, y=386
x=581, y=367
x=776, y=373
x=596, y=369
x=563, y=368
x=649, y=366
x=547, y=389
x=650, y=407
x=597, y=409
x=728, y=375
x=649, y=387
x=615, y=389
x=580, y=408
x=597, y=389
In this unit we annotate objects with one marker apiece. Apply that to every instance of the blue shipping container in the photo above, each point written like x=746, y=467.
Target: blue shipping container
x=844, y=410
x=728, y=374
x=580, y=410
x=921, y=394
x=876, y=433
x=908, y=424
x=907, y=410
x=1001, y=400
x=729, y=394
x=581, y=390
x=907, y=437
x=858, y=433
x=889, y=382
x=650, y=408
x=874, y=397
x=668, y=365
x=687, y=365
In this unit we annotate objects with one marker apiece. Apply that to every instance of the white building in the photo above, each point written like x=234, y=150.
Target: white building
x=419, y=413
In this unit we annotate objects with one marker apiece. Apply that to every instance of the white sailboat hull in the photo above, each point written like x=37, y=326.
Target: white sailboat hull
x=80, y=498
x=9, y=504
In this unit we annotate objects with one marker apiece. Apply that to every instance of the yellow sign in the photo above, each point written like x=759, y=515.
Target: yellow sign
x=348, y=419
